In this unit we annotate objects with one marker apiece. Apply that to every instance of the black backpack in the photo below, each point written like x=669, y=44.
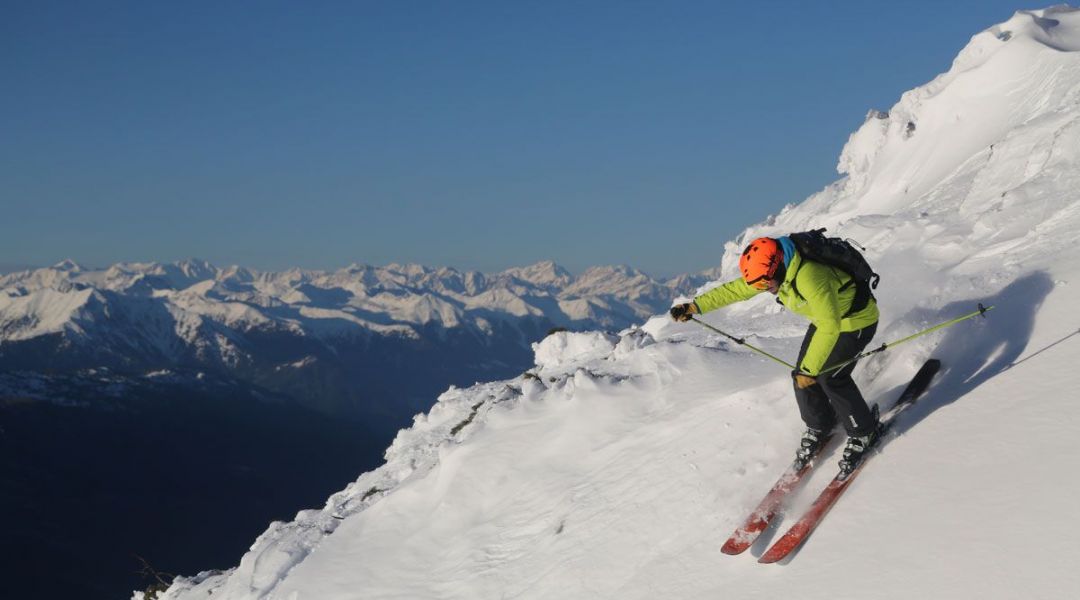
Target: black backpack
x=839, y=253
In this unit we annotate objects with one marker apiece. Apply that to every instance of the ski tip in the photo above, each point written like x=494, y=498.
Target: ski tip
x=928, y=371
x=735, y=546
x=770, y=557
x=784, y=546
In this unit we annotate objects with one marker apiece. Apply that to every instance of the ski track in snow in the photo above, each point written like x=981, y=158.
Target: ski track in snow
x=619, y=469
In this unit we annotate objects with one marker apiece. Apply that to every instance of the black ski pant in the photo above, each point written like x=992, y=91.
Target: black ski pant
x=835, y=396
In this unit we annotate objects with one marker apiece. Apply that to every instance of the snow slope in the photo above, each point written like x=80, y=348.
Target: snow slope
x=620, y=465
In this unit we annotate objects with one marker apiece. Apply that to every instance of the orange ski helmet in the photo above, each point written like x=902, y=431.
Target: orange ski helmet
x=760, y=261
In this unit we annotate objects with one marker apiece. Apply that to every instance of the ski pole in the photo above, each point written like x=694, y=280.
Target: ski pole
x=982, y=311
x=742, y=342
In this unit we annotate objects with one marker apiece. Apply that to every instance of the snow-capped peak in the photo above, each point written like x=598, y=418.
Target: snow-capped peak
x=197, y=269
x=68, y=266
x=546, y=274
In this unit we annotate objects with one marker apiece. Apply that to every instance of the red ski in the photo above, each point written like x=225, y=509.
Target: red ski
x=800, y=530
x=759, y=520
x=817, y=511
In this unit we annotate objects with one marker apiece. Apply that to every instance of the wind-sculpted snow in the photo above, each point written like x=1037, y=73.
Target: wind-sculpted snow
x=561, y=347
x=617, y=466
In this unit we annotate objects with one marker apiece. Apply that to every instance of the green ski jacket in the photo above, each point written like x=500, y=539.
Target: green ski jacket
x=812, y=290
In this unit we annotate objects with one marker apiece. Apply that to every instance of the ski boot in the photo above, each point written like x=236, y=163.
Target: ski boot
x=856, y=448
x=813, y=440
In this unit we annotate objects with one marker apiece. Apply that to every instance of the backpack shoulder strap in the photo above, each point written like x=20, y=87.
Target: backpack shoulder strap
x=795, y=278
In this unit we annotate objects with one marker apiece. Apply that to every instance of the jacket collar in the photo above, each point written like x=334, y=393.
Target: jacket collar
x=788, y=247
x=793, y=268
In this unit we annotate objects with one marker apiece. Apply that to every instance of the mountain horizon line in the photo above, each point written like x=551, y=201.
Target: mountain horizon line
x=73, y=265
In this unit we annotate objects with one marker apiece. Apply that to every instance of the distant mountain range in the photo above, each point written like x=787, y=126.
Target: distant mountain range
x=360, y=341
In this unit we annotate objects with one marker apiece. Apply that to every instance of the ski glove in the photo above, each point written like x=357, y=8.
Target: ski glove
x=804, y=381
x=684, y=312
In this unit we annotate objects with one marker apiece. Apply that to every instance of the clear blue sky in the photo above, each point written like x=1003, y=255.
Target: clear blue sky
x=471, y=134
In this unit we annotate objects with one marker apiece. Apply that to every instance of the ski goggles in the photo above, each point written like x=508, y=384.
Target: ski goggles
x=774, y=276
x=761, y=283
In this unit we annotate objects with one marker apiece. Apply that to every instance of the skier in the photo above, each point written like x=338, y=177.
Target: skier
x=839, y=330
